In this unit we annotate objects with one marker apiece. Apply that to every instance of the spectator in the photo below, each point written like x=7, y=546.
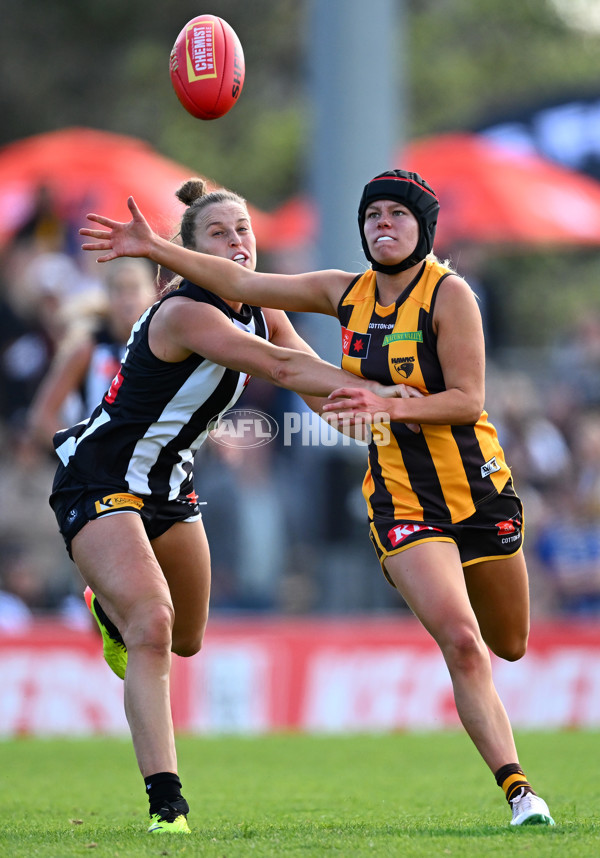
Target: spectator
x=91, y=352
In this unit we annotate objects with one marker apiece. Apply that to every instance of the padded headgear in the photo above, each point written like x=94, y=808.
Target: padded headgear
x=413, y=192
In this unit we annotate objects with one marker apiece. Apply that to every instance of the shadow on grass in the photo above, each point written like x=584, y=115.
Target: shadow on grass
x=423, y=828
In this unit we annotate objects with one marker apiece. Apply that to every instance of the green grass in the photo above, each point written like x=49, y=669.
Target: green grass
x=303, y=796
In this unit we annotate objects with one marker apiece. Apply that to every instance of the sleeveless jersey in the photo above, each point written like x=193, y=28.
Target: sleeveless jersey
x=143, y=435
x=443, y=472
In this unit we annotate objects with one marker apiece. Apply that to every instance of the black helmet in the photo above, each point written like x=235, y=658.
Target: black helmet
x=412, y=191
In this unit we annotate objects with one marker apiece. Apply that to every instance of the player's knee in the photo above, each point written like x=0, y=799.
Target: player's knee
x=188, y=636
x=150, y=625
x=464, y=650
x=187, y=645
x=511, y=649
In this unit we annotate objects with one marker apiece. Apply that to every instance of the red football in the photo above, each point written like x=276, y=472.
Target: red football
x=207, y=67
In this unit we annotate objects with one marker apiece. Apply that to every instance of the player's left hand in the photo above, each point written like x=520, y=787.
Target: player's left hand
x=120, y=239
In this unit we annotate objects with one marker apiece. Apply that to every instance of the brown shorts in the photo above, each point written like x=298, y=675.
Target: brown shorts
x=495, y=530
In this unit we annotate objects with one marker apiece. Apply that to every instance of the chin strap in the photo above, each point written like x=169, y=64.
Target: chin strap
x=411, y=260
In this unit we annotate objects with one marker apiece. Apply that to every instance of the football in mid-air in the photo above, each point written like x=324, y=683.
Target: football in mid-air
x=207, y=67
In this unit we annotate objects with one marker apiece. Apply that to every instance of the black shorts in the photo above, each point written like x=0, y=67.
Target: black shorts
x=75, y=504
x=494, y=531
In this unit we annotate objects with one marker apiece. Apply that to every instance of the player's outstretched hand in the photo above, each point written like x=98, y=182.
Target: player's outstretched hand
x=120, y=239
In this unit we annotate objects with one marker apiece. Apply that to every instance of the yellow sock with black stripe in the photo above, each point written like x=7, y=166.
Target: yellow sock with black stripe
x=512, y=780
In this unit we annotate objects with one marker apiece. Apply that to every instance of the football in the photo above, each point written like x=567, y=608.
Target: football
x=207, y=67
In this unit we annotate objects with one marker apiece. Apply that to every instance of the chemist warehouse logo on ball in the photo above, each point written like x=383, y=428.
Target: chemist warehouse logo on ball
x=200, y=53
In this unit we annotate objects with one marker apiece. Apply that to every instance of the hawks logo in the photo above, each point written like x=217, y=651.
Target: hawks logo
x=355, y=344
x=399, y=533
x=404, y=366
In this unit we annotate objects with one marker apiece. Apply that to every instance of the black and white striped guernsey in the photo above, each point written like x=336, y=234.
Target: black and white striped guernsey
x=143, y=435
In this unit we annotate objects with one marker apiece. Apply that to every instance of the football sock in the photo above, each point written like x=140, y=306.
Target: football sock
x=162, y=787
x=512, y=780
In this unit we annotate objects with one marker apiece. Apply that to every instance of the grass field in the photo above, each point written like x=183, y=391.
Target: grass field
x=294, y=795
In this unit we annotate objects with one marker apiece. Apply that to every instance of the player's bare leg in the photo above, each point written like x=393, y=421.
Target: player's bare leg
x=117, y=561
x=431, y=580
x=184, y=557
x=499, y=593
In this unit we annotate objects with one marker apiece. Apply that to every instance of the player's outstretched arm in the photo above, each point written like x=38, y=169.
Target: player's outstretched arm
x=313, y=292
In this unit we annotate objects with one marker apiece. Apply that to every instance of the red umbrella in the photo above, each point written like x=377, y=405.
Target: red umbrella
x=491, y=194
x=87, y=170
x=488, y=193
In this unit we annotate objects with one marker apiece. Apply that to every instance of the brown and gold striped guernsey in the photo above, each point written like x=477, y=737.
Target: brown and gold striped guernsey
x=444, y=472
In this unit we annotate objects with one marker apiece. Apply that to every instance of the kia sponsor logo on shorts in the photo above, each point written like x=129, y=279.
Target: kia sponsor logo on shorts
x=243, y=427
x=399, y=533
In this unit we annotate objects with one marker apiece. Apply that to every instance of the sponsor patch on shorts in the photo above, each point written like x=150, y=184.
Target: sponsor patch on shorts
x=119, y=500
x=401, y=531
x=509, y=530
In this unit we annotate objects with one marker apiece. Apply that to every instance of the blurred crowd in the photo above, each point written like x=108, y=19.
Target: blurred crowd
x=285, y=519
